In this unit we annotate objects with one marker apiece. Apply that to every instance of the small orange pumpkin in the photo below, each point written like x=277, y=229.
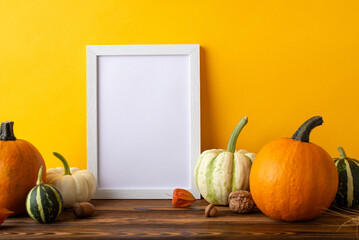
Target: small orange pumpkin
x=292, y=179
x=19, y=165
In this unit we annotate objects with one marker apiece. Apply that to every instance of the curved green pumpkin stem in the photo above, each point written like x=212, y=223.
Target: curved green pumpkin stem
x=64, y=162
x=341, y=152
x=39, y=178
x=303, y=132
x=231, y=147
x=7, y=131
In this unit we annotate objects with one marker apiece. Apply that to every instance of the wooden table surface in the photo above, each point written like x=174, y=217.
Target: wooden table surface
x=153, y=219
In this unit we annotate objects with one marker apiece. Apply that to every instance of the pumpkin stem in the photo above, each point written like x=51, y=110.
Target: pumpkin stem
x=7, y=131
x=341, y=152
x=302, y=134
x=39, y=178
x=64, y=162
x=231, y=147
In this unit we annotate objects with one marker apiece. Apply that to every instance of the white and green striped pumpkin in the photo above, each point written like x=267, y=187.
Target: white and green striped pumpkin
x=219, y=172
x=44, y=202
x=348, y=188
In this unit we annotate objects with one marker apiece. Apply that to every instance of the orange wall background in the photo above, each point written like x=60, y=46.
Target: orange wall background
x=278, y=62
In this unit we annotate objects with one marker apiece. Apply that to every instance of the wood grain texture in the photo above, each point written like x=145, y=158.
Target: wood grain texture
x=157, y=219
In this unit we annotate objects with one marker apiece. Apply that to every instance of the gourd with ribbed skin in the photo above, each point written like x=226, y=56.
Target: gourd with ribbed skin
x=44, y=202
x=74, y=184
x=219, y=172
x=293, y=179
x=348, y=189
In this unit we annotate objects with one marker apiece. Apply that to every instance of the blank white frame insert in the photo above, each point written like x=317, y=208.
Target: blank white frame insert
x=143, y=119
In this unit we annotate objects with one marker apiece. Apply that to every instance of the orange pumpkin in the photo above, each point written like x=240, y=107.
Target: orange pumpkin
x=292, y=179
x=19, y=165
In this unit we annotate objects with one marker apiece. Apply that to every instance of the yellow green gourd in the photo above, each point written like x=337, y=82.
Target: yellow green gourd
x=44, y=202
x=219, y=172
x=348, y=190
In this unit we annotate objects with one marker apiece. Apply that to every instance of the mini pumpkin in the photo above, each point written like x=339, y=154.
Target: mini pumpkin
x=74, y=184
x=293, y=179
x=219, y=172
x=19, y=165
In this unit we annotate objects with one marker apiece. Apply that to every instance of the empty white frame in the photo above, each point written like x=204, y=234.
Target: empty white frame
x=143, y=119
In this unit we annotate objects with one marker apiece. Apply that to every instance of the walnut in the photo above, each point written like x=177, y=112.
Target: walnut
x=241, y=201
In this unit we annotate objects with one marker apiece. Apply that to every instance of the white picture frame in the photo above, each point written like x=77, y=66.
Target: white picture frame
x=113, y=72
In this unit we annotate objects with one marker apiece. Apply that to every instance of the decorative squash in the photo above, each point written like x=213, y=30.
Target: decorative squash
x=44, y=202
x=19, y=165
x=348, y=189
x=219, y=172
x=74, y=184
x=293, y=179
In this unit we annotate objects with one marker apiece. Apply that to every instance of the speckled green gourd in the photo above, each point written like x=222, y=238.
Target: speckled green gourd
x=44, y=202
x=219, y=172
x=348, y=188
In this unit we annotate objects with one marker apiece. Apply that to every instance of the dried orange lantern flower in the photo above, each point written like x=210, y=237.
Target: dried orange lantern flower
x=182, y=198
x=4, y=213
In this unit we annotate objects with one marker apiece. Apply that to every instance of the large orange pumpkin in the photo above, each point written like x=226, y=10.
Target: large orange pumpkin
x=19, y=165
x=292, y=179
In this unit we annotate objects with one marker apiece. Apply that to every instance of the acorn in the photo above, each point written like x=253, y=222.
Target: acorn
x=83, y=209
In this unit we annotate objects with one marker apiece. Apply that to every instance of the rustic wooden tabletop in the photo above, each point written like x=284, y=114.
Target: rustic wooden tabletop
x=154, y=219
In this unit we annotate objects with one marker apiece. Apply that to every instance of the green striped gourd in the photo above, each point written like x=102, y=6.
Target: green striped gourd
x=44, y=202
x=348, y=188
x=219, y=172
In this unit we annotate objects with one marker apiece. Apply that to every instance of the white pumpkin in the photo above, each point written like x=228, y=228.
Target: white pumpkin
x=219, y=172
x=74, y=184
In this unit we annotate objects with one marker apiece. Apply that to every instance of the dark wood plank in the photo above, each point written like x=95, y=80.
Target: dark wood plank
x=155, y=219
